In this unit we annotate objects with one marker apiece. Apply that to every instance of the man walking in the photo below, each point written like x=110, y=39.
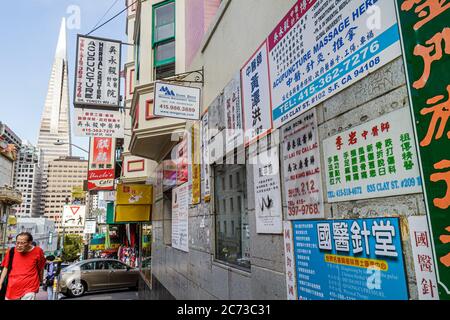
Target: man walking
x=27, y=269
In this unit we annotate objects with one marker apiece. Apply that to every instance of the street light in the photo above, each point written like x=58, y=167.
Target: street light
x=60, y=143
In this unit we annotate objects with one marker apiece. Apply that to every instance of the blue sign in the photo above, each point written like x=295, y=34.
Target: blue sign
x=358, y=259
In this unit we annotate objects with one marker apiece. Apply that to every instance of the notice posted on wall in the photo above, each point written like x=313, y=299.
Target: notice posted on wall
x=180, y=207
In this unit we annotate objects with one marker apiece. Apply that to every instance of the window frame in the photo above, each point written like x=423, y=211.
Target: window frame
x=157, y=43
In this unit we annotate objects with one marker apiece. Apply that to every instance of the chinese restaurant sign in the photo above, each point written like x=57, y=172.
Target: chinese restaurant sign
x=97, y=72
x=302, y=173
x=357, y=259
x=375, y=159
x=101, y=172
x=322, y=47
x=176, y=101
x=180, y=217
x=425, y=35
x=99, y=123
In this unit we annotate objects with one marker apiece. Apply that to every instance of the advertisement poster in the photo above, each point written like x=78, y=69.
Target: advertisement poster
x=169, y=174
x=425, y=35
x=73, y=216
x=99, y=123
x=302, y=173
x=234, y=129
x=180, y=217
x=375, y=159
x=321, y=47
x=101, y=172
x=97, y=72
x=358, y=259
x=423, y=258
x=291, y=286
x=182, y=161
x=175, y=101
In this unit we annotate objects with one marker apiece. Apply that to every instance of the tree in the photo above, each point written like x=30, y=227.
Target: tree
x=73, y=247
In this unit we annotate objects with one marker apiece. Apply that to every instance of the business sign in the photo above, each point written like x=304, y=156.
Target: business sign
x=180, y=217
x=291, y=286
x=101, y=171
x=134, y=194
x=73, y=216
x=423, y=258
x=256, y=100
x=175, y=101
x=99, y=123
x=90, y=226
x=97, y=72
x=375, y=159
x=234, y=129
x=132, y=214
x=319, y=48
x=357, y=259
x=302, y=170
x=426, y=45
x=195, y=178
x=205, y=179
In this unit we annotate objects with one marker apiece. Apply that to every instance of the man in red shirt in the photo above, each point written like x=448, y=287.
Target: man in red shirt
x=27, y=269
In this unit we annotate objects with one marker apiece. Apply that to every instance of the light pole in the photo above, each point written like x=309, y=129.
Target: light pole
x=60, y=143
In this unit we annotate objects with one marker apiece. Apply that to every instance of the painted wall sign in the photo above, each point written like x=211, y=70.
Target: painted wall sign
x=426, y=46
x=99, y=123
x=73, y=216
x=423, y=258
x=302, y=169
x=97, y=72
x=175, y=101
x=180, y=218
x=321, y=47
x=375, y=159
x=349, y=259
x=291, y=285
x=101, y=172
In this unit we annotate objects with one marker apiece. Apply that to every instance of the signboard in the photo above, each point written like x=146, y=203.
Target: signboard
x=182, y=156
x=423, y=258
x=175, y=101
x=73, y=216
x=291, y=286
x=426, y=45
x=78, y=193
x=375, y=159
x=180, y=206
x=256, y=99
x=358, y=259
x=205, y=174
x=195, y=163
x=101, y=172
x=90, y=226
x=169, y=174
x=234, y=129
x=321, y=47
x=97, y=72
x=134, y=194
x=158, y=193
x=99, y=123
x=131, y=213
x=302, y=170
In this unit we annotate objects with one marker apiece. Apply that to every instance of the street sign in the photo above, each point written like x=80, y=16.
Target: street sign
x=73, y=216
x=90, y=226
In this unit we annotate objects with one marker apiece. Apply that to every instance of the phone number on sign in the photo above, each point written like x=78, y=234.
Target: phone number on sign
x=177, y=108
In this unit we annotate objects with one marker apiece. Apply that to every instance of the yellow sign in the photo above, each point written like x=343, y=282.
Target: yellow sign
x=134, y=194
x=126, y=213
x=357, y=262
x=78, y=193
x=195, y=156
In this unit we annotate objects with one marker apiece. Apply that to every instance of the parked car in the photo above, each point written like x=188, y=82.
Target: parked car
x=97, y=274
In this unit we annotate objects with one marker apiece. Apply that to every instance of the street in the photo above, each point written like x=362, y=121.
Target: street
x=124, y=294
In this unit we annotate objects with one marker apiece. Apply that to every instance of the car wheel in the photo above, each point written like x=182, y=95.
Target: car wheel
x=77, y=289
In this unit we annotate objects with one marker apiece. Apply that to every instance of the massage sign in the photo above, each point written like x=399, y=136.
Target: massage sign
x=426, y=49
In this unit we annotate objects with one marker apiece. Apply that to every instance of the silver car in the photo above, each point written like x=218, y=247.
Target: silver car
x=97, y=274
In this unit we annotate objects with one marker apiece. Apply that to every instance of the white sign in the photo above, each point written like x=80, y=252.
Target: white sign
x=302, y=173
x=234, y=130
x=266, y=175
x=176, y=101
x=97, y=72
x=73, y=216
x=99, y=123
x=375, y=159
x=423, y=258
x=180, y=206
x=291, y=286
x=90, y=227
x=205, y=181
x=321, y=47
x=256, y=96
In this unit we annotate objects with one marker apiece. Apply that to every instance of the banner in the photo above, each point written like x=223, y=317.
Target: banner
x=99, y=123
x=101, y=173
x=180, y=218
x=73, y=216
x=97, y=72
x=175, y=101
x=375, y=159
x=426, y=46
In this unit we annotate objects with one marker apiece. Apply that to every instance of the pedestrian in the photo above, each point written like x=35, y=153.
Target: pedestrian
x=26, y=269
x=51, y=270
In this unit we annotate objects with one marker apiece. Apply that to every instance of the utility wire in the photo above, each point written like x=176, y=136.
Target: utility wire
x=115, y=2
x=118, y=14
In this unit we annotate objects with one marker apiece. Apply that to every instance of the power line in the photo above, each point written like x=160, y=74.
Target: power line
x=115, y=2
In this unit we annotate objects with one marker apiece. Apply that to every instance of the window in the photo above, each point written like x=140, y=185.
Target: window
x=87, y=266
x=232, y=232
x=164, y=39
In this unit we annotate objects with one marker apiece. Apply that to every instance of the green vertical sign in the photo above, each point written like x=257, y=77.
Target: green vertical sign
x=426, y=49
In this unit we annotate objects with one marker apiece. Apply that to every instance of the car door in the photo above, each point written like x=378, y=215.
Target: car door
x=99, y=278
x=120, y=275
x=87, y=273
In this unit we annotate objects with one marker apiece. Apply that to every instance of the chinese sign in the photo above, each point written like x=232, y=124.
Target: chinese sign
x=134, y=194
x=175, y=101
x=358, y=259
x=180, y=206
x=73, y=216
x=423, y=258
x=205, y=179
x=97, y=72
x=291, y=287
x=101, y=172
x=90, y=226
x=321, y=47
x=302, y=173
x=256, y=95
x=99, y=123
x=426, y=48
x=195, y=163
x=375, y=159
x=234, y=131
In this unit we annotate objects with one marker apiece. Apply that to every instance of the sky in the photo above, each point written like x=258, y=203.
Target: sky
x=29, y=33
